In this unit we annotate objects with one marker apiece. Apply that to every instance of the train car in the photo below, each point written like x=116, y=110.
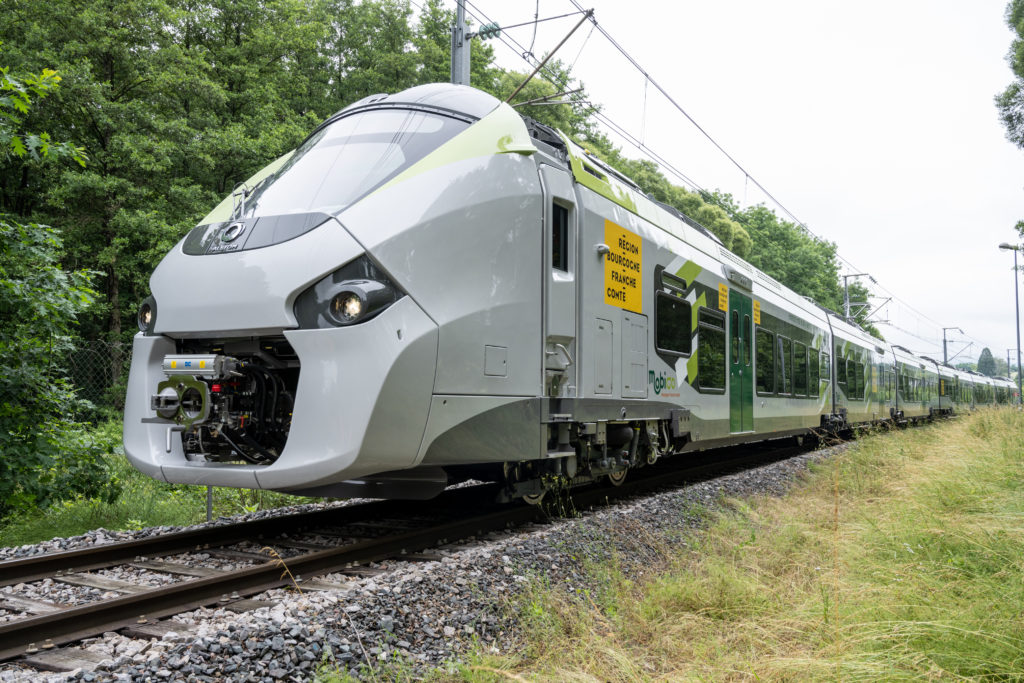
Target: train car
x=964, y=391
x=946, y=395
x=1005, y=390
x=431, y=288
x=912, y=385
x=859, y=361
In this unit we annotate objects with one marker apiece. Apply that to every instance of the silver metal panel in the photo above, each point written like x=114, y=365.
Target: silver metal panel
x=144, y=443
x=464, y=241
x=634, y=355
x=496, y=361
x=247, y=292
x=603, y=353
x=466, y=429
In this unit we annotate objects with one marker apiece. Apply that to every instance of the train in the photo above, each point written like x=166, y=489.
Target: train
x=432, y=288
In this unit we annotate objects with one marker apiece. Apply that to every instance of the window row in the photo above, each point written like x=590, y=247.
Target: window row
x=851, y=377
x=786, y=367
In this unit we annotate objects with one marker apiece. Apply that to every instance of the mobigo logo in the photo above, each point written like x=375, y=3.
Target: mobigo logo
x=661, y=381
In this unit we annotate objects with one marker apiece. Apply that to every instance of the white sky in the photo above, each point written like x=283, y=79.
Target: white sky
x=873, y=122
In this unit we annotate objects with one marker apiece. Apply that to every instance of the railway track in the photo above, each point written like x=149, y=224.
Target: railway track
x=355, y=536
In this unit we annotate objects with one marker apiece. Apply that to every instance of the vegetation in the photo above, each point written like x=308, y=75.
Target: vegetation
x=899, y=560
x=143, y=502
x=46, y=455
x=986, y=363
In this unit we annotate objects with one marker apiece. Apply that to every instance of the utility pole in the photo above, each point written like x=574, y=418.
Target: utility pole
x=1016, y=301
x=944, y=354
x=846, y=293
x=460, y=45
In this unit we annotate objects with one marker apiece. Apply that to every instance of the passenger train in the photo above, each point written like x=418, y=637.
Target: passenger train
x=432, y=288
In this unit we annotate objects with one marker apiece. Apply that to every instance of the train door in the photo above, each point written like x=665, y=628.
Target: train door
x=560, y=271
x=741, y=375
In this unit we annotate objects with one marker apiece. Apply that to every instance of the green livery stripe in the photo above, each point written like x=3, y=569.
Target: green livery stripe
x=702, y=301
x=691, y=369
x=500, y=132
x=689, y=272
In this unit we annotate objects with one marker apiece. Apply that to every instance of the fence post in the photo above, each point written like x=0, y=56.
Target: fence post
x=209, y=503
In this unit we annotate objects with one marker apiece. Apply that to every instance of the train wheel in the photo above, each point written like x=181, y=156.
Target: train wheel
x=616, y=478
x=534, y=498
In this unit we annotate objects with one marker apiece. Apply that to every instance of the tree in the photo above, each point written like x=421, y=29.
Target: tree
x=1011, y=101
x=986, y=363
x=46, y=455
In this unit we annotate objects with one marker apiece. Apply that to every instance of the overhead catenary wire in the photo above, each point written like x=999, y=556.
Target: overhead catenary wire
x=639, y=144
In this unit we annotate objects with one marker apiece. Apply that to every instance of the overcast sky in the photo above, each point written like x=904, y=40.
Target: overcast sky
x=873, y=122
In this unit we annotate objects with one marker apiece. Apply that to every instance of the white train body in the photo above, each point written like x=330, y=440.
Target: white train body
x=430, y=286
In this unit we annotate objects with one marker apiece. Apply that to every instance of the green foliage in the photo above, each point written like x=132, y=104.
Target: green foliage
x=1010, y=102
x=46, y=456
x=986, y=363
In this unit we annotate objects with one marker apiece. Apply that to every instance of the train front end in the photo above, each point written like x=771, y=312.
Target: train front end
x=276, y=352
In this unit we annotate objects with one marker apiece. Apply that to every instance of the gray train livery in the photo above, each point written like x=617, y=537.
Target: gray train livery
x=432, y=288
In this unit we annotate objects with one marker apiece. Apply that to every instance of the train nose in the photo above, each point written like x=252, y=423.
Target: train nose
x=245, y=292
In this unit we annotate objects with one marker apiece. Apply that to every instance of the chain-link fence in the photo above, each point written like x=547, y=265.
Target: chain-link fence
x=99, y=372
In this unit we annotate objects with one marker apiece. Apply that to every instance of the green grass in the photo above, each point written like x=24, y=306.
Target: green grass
x=143, y=502
x=901, y=560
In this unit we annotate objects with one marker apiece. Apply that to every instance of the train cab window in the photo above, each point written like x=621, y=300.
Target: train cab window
x=765, y=361
x=673, y=319
x=785, y=366
x=710, y=350
x=813, y=373
x=560, y=238
x=799, y=369
x=841, y=371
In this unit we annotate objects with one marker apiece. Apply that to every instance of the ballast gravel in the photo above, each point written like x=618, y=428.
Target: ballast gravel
x=425, y=614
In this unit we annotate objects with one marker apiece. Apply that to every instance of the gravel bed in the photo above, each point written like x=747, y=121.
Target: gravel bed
x=205, y=560
x=426, y=614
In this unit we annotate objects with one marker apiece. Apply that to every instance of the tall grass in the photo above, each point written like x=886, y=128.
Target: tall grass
x=143, y=502
x=902, y=559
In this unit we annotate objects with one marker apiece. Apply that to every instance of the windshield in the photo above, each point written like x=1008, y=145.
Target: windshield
x=344, y=161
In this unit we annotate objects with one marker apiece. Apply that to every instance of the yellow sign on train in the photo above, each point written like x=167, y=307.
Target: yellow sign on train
x=623, y=268
x=757, y=312
x=723, y=297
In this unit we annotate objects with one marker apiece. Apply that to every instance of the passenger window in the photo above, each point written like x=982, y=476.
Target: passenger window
x=673, y=318
x=813, y=373
x=799, y=369
x=841, y=371
x=765, y=365
x=560, y=238
x=826, y=366
x=785, y=365
x=710, y=350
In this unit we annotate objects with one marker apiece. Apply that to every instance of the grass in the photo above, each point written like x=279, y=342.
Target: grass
x=143, y=502
x=901, y=560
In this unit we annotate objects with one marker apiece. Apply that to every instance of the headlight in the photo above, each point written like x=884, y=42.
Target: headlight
x=147, y=315
x=354, y=293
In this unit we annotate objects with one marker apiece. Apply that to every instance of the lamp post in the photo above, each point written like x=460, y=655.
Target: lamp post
x=1016, y=298
x=944, y=358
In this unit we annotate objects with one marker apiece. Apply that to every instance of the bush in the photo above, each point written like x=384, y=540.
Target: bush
x=45, y=456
